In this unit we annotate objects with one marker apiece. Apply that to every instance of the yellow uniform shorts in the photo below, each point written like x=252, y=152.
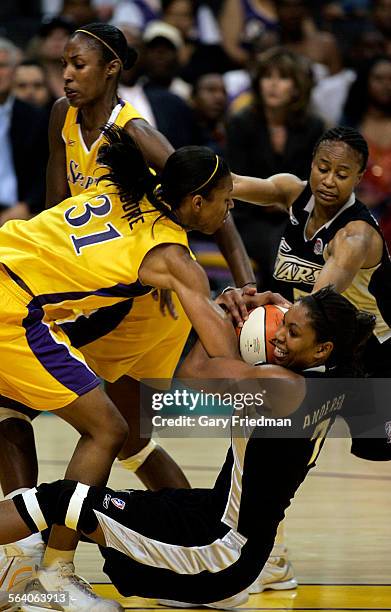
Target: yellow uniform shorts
x=146, y=344
x=39, y=367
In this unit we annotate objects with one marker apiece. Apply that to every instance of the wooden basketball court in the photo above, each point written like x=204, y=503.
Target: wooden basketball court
x=338, y=528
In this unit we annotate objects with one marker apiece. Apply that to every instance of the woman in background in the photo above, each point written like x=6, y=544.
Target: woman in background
x=275, y=133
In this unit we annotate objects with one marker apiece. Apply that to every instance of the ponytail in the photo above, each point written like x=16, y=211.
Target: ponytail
x=189, y=170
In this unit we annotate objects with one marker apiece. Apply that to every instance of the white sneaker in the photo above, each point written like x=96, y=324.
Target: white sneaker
x=224, y=604
x=74, y=593
x=17, y=564
x=277, y=573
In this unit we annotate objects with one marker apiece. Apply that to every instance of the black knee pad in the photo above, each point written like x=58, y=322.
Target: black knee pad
x=45, y=505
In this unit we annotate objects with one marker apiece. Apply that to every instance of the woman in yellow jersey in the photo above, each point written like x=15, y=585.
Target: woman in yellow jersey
x=90, y=252
x=93, y=59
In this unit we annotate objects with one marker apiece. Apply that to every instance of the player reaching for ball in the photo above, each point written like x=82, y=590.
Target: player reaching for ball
x=207, y=546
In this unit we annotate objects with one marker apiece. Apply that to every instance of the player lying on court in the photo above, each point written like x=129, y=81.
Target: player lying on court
x=207, y=546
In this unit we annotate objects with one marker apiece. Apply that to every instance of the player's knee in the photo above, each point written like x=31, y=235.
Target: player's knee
x=135, y=461
x=111, y=432
x=48, y=504
x=116, y=433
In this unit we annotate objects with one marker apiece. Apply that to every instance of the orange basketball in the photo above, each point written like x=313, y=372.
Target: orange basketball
x=256, y=333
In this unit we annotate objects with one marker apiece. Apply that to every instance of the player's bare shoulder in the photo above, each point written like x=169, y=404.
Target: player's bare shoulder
x=359, y=236
x=285, y=389
x=59, y=112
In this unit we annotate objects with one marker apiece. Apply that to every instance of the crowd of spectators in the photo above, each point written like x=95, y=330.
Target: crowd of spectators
x=255, y=80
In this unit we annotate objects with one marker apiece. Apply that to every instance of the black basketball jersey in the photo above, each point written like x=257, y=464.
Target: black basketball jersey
x=300, y=260
x=264, y=469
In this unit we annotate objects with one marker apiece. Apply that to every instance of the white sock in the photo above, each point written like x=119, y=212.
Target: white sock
x=52, y=555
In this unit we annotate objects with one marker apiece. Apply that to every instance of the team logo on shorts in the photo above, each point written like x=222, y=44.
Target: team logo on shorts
x=106, y=501
x=387, y=426
x=318, y=246
x=118, y=503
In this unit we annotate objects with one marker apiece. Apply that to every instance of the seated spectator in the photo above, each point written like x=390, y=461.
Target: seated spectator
x=381, y=16
x=30, y=84
x=238, y=82
x=150, y=84
x=243, y=20
x=330, y=92
x=276, y=133
x=368, y=108
x=136, y=13
x=23, y=146
x=197, y=55
x=367, y=44
x=47, y=48
x=79, y=12
x=299, y=34
x=162, y=46
x=209, y=102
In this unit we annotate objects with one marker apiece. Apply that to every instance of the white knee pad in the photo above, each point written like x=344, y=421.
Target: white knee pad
x=8, y=413
x=135, y=461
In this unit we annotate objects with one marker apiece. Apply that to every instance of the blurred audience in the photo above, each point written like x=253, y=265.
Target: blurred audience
x=276, y=133
x=23, y=146
x=198, y=58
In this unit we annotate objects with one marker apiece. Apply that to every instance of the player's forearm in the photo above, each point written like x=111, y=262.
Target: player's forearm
x=234, y=252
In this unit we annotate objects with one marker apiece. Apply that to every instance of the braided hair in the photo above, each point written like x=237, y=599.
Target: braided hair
x=189, y=170
x=110, y=42
x=335, y=319
x=350, y=137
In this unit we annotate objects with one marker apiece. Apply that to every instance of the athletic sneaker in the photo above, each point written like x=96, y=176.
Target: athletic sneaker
x=277, y=573
x=224, y=604
x=17, y=565
x=61, y=578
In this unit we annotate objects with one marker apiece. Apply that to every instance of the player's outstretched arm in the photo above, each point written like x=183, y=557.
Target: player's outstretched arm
x=171, y=267
x=282, y=189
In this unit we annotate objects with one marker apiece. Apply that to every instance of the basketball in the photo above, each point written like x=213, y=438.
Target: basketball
x=257, y=331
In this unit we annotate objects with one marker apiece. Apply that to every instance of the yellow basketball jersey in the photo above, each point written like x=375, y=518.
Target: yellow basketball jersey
x=82, y=168
x=85, y=253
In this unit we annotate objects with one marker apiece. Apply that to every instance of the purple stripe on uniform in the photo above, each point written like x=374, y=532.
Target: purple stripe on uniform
x=120, y=290
x=56, y=358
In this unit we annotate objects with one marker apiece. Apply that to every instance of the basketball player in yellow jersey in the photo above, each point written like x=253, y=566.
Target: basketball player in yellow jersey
x=94, y=252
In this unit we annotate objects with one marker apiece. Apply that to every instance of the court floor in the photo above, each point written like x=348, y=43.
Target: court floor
x=338, y=527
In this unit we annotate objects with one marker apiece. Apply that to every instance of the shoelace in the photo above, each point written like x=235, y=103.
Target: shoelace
x=67, y=570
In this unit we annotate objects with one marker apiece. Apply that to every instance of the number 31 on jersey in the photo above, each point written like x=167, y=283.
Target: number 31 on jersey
x=100, y=206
